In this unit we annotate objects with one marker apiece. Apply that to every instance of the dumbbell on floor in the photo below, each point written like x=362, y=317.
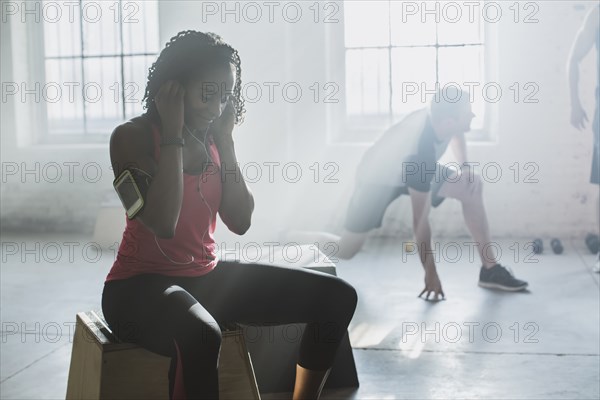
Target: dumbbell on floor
x=593, y=243
x=556, y=245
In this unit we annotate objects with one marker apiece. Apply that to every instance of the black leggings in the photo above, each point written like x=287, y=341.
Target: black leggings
x=179, y=317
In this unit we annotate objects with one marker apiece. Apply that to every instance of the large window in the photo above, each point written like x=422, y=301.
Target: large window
x=396, y=52
x=96, y=63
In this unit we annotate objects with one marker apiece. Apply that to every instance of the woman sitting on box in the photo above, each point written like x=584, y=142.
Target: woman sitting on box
x=167, y=290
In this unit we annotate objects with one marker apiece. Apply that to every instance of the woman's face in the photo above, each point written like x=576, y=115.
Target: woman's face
x=206, y=96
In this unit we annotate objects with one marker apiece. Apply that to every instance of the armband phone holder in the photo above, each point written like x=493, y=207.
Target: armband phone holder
x=129, y=193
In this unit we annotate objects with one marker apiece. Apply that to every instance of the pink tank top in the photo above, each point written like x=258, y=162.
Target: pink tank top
x=192, y=251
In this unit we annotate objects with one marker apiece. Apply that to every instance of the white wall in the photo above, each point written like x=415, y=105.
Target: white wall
x=561, y=204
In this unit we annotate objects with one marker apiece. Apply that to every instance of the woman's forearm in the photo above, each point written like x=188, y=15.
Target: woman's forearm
x=237, y=202
x=165, y=193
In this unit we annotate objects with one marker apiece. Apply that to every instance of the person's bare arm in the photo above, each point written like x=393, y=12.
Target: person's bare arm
x=584, y=41
x=237, y=202
x=130, y=148
x=420, y=209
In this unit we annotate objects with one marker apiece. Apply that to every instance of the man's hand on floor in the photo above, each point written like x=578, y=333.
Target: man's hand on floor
x=433, y=286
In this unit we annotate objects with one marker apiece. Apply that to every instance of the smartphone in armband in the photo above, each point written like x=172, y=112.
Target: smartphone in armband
x=129, y=193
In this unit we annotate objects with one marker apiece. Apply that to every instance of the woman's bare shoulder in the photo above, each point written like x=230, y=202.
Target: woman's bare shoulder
x=131, y=142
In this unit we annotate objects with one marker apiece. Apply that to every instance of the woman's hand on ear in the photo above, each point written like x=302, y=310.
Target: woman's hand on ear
x=169, y=104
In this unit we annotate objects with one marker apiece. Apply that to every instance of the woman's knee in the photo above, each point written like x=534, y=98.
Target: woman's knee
x=210, y=335
x=342, y=295
x=193, y=324
x=350, y=295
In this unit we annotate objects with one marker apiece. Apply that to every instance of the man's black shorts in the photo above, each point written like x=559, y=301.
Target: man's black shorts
x=369, y=202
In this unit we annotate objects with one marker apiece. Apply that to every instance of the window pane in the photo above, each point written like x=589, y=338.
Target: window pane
x=100, y=32
x=413, y=73
x=366, y=23
x=61, y=35
x=462, y=65
x=367, y=82
x=136, y=74
x=411, y=27
x=460, y=23
x=63, y=96
x=140, y=27
x=103, y=88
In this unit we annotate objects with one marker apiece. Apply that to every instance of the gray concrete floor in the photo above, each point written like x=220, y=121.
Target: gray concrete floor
x=540, y=344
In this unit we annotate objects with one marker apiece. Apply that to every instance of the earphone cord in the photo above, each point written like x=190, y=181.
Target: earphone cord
x=208, y=158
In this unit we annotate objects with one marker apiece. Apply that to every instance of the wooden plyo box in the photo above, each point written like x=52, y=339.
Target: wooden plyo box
x=103, y=368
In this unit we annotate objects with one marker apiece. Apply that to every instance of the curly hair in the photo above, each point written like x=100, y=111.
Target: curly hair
x=183, y=57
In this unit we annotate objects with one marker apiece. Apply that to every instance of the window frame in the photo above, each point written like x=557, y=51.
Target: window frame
x=36, y=72
x=342, y=129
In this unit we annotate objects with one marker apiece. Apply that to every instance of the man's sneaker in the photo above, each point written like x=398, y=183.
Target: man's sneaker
x=499, y=277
